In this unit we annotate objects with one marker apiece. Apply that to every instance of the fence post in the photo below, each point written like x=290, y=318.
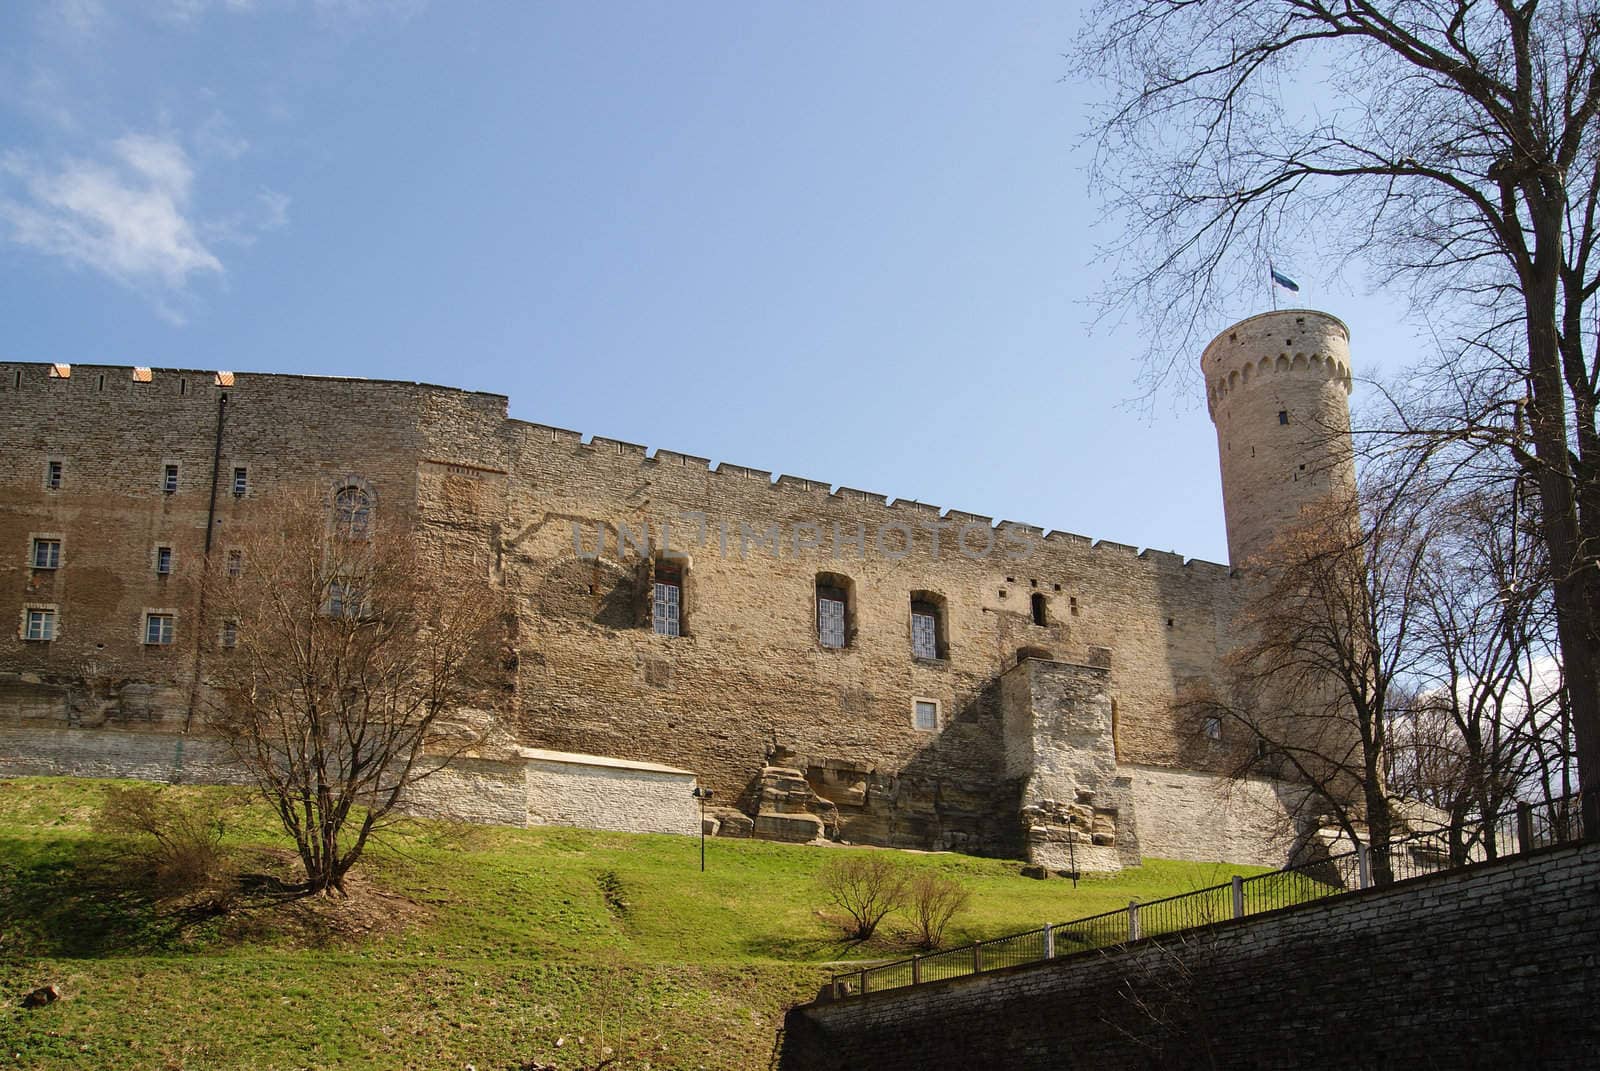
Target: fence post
x=1364, y=864
x=1049, y=942
x=1524, y=827
x=1238, y=896
x=833, y=987
x=977, y=958
x=863, y=981
x=1133, y=920
x=916, y=970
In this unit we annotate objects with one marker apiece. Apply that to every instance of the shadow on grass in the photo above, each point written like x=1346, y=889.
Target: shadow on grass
x=73, y=897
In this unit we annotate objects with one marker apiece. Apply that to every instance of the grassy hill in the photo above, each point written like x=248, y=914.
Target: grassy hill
x=460, y=946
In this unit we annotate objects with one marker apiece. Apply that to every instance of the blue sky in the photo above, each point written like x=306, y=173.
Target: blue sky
x=849, y=242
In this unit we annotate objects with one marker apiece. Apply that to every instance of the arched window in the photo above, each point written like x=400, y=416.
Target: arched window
x=1040, y=617
x=352, y=512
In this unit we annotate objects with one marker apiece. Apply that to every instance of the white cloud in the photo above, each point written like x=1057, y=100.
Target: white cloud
x=127, y=218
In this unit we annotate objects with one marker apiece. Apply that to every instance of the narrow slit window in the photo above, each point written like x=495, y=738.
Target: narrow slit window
x=163, y=561
x=169, y=479
x=1037, y=604
x=235, y=563
x=230, y=633
x=241, y=481
x=1283, y=416
x=666, y=610
x=52, y=475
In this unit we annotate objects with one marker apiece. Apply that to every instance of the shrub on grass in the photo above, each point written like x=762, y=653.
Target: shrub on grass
x=866, y=886
x=932, y=900
x=178, y=840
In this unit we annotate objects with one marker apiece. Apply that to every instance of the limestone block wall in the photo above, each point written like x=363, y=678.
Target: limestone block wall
x=1491, y=967
x=1078, y=809
x=1188, y=814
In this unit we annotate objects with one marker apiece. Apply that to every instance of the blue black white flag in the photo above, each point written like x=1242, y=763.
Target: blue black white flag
x=1283, y=280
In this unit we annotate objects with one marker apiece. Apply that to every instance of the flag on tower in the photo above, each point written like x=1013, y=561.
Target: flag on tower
x=1283, y=280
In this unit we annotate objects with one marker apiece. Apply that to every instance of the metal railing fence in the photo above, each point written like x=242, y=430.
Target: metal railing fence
x=1520, y=829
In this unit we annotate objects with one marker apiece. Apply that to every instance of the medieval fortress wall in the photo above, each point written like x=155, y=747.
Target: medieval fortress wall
x=574, y=533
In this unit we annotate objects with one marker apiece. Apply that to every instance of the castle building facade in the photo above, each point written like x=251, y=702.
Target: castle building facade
x=828, y=662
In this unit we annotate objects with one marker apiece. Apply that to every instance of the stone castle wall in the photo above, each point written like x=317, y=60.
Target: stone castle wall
x=748, y=678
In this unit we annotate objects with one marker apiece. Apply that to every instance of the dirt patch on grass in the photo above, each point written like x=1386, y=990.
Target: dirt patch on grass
x=268, y=908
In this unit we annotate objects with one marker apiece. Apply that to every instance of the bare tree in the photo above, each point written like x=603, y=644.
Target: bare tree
x=866, y=886
x=1484, y=726
x=1311, y=694
x=932, y=901
x=1449, y=147
x=342, y=650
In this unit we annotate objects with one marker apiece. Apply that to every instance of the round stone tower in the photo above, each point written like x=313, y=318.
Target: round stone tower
x=1278, y=389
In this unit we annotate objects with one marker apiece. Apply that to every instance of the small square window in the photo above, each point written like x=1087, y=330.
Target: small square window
x=52, y=475
x=925, y=715
x=158, y=629
x=169, y=479
x=230, y=633
x=40, y=626
x=46, y=554
x=235, y=563
x=163, y=561
x=1213, y=728
x=241, y=481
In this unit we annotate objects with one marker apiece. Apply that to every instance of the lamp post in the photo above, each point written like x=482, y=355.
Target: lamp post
x=702, y=794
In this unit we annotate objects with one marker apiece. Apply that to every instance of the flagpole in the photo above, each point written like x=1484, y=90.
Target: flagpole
x=1272, y=287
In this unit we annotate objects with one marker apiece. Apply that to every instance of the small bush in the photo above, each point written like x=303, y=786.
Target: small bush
x=179, y=840
x=932, y=900
x=866, y=886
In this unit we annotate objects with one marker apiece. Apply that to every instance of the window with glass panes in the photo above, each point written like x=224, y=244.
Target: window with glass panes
x=47, y=553
x=924, y=630
x=831, y=608
x=41, y=625
x=158, y=629
x=926, y=715
x=666, y=611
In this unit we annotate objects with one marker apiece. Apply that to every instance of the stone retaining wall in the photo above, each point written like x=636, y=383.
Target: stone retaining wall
x=1489, y=967
x=532, y=788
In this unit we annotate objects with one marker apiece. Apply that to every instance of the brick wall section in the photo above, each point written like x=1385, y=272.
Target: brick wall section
x=1493, y=967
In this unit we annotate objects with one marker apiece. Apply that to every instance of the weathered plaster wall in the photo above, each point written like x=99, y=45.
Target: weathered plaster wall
x=596, y=793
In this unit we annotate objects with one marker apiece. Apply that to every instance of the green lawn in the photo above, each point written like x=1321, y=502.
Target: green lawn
x=462, y=945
